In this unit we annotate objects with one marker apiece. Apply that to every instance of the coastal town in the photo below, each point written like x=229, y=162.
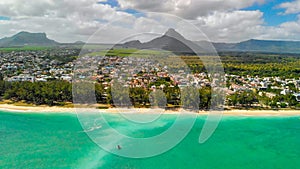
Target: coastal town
x=37, y=66
x=143, y=73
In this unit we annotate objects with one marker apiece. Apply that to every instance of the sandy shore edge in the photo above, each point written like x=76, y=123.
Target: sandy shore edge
x=46, y=109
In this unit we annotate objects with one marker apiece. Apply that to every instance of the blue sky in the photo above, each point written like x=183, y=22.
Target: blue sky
x=272, y=13
x=114, y=3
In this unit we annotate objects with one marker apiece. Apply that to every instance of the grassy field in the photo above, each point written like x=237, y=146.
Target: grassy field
x=24, y=48
x=129, y=52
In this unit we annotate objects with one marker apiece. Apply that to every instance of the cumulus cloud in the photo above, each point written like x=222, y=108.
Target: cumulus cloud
x=290, y=7
x=188, y=9
x=69, y=20
x=285, y=31
x=232, y=26
x=65, y=21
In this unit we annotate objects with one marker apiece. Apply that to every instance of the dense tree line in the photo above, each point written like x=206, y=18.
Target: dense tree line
x=187, y=97
x=50, y=93
x=248, y=99
x=59, y=92
x=243, y=99
x=261, y=64
x=287, y=70
x=243, y=63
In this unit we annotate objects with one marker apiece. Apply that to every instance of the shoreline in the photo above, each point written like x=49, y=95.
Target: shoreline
x=55, y=109
x=35, y=109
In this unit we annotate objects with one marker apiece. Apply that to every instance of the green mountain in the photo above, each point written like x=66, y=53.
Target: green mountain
x=261, y=46
x=170, y=41
x=27, y=39
x=173, y=41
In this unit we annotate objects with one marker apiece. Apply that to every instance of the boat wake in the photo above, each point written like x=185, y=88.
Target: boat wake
x=92, y=129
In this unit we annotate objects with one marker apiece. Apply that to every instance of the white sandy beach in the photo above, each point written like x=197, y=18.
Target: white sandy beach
x=55, y=109
x=35, y=109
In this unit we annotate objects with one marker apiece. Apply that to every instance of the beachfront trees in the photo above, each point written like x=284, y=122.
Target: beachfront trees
x=243, y=99
x=59, y=92
x=158, y=99
x=190, y=97
x=139, y=96
x=120, y=95
x=233, y=99
x=50, y=93
x=290, y=99
x=247, y=98
x=264, y=100
x=205, y=97
x=172, y=95
x=2, y=88
x=101, y=95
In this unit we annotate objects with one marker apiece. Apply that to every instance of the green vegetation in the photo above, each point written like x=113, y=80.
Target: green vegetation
x=25, y=48
x=243, y=99
x=59, y=92
x=261, y=64
x=242, y=64
x=50, y=93
x=250, y=99
x=128, y=52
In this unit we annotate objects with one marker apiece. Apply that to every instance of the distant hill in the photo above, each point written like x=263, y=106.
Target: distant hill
x=27, y=39
x=173, y=41
x=170, y=41
x=261, y=46
x=79, y=43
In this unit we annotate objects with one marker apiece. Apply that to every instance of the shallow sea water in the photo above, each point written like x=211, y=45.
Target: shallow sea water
x=58, y=141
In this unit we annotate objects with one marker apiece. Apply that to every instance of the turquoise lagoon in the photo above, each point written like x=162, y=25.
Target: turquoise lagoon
x=57, y=140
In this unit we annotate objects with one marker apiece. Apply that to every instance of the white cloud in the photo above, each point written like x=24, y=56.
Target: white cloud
x=290, y=7
x=231, y=26
x=285, y=31
x=65, y=21
x=188, y=9
x=69, y=20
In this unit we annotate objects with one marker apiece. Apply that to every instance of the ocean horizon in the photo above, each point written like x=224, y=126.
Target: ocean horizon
x=57, y=140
